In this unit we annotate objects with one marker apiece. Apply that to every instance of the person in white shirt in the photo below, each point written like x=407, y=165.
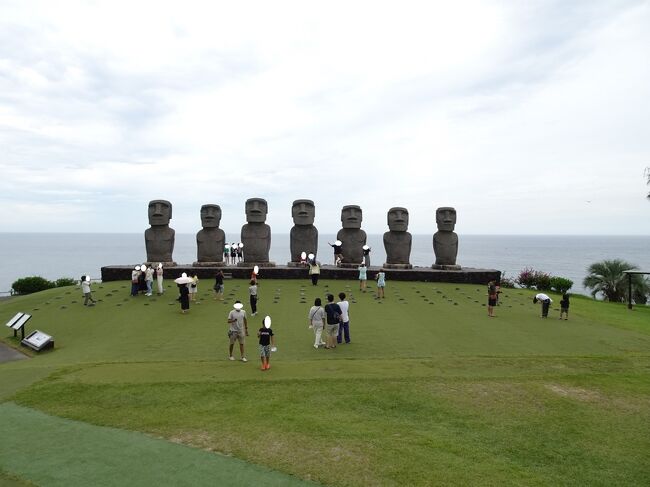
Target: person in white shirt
x=85, y=288
x=344, y=329
x=546, y=303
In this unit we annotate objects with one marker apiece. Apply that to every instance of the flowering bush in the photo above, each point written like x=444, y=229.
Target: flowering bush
x=526, y=278
x=542, y=281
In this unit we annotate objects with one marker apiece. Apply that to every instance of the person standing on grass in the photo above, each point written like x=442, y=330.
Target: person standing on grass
x=148, y=279
x=333, y=312
x=266, y=341
x=317, y=322
x=314, y=271
x=194, y=287
x=492, y=298
x=135, y=279
x=344, y=327
x=252, y=292
x=238, y=329
x=564, y=306
x=184, y=297
x=85, y=288
x=363, y=277
x=381, y=283
x=218, y=286
x=546, y=303
x=159, y=278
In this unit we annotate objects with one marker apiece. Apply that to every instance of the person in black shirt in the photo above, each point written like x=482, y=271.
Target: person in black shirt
x=564, y=306
x=266, y=340
x=218, y=286
x=333, y=312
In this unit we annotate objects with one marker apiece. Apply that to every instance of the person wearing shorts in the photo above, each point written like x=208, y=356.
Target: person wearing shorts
x=266, y=341
x=492, y=298
x=333, y=312
x=194, y=287
x=238, y=329
x=218, y=286
x=381, y=283
x=564, y=306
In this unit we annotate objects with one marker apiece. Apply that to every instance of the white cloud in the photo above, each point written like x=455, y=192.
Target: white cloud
x=515, y=114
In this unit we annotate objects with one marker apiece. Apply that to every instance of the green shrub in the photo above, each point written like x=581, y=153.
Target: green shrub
x=561, y=284
x=542, y=281
x=32, y=284
x=65, y=281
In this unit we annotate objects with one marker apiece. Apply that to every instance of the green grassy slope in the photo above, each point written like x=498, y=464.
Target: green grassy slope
x=431, y=390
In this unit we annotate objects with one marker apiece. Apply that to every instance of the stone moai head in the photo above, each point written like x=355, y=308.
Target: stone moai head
x=351, y=216
x=303, y=212
x=398, y=219
x=256, y=210
x=160, y=212
x=210, y=216
x=446, y=218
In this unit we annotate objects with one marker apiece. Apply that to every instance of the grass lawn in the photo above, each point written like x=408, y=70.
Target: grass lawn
x=430, y=391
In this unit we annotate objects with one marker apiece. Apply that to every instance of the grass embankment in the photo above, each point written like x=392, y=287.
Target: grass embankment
x=431, y=391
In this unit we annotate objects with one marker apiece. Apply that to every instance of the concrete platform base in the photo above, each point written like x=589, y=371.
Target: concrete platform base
x=465, y=275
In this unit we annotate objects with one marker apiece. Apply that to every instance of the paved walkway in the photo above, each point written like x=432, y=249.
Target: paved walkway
x=7, y=354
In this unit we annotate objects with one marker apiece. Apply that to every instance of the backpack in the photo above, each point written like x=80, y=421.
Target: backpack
x=335, y=314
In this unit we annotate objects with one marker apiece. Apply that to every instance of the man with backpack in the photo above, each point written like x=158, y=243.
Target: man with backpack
x=333, y=312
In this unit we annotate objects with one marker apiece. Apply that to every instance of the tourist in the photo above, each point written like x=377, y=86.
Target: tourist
x=492, y=298
x=265, y=334
x=252, y=292
x=317, y=322
x=238, y=329
x=333, y=312
x=85, y=288
x=363, y=277
x=135, y=280
x=233, y=253
x=194, y=287
x=366, y=255
x=381, y=283
x=314, y=271
x=218, y=286
x=344, y=328
x=142, y=284
x=148, y=279
x=338, y=252
x=184, y=297
x=564, y=306
x=546, y=303
x=159, y=278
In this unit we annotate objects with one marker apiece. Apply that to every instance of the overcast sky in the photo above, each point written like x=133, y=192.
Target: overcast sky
x=527, y=117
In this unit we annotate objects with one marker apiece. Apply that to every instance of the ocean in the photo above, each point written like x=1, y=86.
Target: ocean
x=55, y=255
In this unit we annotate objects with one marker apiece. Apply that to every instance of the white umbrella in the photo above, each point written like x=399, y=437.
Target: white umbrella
x=183, y=280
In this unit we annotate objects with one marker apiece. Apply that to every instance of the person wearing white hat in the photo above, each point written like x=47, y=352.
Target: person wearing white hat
x=238, y=329
x=85, y=288
x=135, y=280
x=159, y=278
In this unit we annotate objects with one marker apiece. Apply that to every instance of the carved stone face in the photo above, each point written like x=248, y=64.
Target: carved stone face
x=351, y=216
x=303, y=212
x=398, y=219
x=210, y=216
x=256, y=210
x=446, y=218
x=160, y=212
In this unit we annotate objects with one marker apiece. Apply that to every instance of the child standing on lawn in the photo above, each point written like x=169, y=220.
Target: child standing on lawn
x=267, y=340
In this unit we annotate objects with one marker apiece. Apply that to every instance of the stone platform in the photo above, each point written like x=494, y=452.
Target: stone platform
x=465, y=275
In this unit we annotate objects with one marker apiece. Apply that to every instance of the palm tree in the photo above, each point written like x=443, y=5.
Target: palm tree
x=608, y=277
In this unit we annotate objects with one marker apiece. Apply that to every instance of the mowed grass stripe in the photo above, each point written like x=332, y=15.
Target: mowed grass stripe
x=50, y=452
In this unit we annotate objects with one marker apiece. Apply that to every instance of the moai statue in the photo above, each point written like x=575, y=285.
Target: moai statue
x=256, y=235
x=351, y=235
x=304, y=235
x=159, y=238
x=397, y=241
x=445, y=240
x=211, y=239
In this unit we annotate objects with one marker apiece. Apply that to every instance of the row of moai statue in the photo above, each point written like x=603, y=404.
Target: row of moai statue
x=256, y=235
